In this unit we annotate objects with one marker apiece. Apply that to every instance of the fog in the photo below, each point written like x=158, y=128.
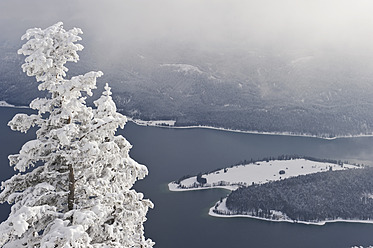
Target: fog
x=282, y=65
x=343, y=25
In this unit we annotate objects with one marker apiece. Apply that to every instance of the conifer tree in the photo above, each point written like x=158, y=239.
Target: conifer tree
x=74, y=181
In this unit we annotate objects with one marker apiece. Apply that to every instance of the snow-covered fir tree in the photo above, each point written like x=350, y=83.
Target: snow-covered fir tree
x=74, y=181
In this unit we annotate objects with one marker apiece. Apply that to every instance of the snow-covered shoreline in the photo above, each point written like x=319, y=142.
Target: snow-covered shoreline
x=281, y=218
x=171, y=124
x=154, y=123
x=174, y=187
x=8, y=105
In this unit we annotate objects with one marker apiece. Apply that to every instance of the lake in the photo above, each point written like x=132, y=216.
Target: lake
x=180, y=219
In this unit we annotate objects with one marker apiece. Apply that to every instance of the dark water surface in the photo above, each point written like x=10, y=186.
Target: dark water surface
x=180, y=220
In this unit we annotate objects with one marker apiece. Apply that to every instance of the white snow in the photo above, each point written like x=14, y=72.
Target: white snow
x=169, y=123
x=257, y=173
x=19, y=224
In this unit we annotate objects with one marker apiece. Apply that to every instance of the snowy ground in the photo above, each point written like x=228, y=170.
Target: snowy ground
x=168, y=123
x=257, y=173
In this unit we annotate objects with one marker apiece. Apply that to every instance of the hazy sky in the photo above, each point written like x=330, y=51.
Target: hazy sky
x=341, y=24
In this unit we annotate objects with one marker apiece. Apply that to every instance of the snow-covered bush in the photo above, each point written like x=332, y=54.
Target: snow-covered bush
x=74, y=186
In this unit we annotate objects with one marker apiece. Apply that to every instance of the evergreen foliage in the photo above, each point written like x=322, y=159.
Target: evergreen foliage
x=316, y=197
x=74, y=186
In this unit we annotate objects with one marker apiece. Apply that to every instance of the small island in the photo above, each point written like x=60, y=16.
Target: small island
x=290, y=189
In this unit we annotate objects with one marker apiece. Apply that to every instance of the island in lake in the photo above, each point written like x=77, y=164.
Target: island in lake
x=290, y=189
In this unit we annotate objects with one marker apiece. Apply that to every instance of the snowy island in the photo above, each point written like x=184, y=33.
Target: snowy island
x=290, y=190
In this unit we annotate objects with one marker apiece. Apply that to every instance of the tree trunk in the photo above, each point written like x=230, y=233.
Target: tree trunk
x=70, y=197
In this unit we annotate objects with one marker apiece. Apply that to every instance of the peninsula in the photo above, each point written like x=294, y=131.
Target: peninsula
x=290, y=189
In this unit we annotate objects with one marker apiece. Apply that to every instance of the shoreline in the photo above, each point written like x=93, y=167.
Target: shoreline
x=171, y=124
x=5, y=104
x=281, y=217
x=173, y=188
x=258, y=173
x=151, y=123
x=322, y=223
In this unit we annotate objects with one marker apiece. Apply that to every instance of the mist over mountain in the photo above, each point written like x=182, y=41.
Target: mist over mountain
x=269, y=65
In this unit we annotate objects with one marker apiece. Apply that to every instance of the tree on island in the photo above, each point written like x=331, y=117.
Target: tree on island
x=74, y=186
x=201, y=179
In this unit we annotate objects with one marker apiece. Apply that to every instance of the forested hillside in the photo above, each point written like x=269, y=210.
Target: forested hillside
x=315, y=197
x=255, y=91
